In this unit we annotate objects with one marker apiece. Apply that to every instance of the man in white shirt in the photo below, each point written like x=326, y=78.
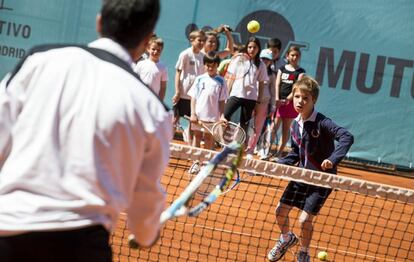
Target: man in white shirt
x=78, y=143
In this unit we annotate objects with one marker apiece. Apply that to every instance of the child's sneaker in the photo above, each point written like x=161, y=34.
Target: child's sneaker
x=195, y=168
x=274, y=159
x=263, y=157
x=303, y=256
x=279, y=250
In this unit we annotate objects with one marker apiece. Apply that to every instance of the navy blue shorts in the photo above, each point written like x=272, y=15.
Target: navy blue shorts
x=306, y=197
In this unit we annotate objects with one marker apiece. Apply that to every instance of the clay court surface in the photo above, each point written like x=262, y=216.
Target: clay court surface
x=240, y=226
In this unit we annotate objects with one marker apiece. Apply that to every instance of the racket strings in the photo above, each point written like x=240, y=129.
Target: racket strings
x=239, y=67
x=210, y=183
x=228, y=132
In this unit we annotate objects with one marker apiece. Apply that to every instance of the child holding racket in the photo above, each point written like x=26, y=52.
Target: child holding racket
x=266, y=105
x=208, y=95
x=188, y=67
x=286, y=76
x=151, y=71
x=313, y=138
x=245, y=79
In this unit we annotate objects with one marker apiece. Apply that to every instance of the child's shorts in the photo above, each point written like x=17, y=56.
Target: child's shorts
x=182, y=108
x=306, y=197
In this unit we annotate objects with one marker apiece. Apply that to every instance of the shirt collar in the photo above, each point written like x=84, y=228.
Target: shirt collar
x=113, y=47
x=312, y=118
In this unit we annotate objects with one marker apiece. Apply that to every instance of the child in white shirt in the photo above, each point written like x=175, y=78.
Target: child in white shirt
x=188, y=67
x=151, y=71
x=208, y=95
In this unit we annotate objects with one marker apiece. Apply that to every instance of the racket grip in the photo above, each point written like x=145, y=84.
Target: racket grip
x=132, y=243
x=164, y=217
x=198, y=209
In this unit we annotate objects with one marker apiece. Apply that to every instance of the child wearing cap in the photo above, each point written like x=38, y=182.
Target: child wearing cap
x=265, y=105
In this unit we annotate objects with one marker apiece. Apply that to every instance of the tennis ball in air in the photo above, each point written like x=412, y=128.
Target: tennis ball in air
x=253, y=26
x=323, y=255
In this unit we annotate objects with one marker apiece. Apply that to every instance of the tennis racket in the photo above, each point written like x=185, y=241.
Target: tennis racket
x=224, y=184
x=182, y=131
x=223, y=132
x=265, y=140
x=186, y=203
x=239, y=67
x=213, y=179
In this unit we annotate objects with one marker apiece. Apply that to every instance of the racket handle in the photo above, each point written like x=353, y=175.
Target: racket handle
x=198, y=209
x=165, y=216
x=132, y=243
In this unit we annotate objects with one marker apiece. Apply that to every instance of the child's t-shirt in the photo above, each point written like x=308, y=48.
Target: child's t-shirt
x=151, y=73
x=287, y=79
x=208, y=92
x=191, y=65
x=247, y=86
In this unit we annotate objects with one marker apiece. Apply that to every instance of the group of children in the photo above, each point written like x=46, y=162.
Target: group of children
x=273, y=87
x=262, y=94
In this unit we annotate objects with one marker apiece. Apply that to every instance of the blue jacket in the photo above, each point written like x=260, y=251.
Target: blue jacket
x=317, y=143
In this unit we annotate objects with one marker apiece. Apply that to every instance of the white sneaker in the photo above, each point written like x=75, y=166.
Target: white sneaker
x=279, y=250
x=249, y=156
x=195, y=168
x=263, y=157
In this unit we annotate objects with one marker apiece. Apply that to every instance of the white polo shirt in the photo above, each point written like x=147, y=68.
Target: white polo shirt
x=81, y=140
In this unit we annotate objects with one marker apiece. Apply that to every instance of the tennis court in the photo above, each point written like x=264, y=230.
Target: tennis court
x=361, y=221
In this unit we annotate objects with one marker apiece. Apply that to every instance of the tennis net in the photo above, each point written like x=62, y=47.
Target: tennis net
x=360, y=221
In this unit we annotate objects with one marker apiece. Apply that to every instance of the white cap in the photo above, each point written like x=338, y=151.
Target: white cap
x=266, y=53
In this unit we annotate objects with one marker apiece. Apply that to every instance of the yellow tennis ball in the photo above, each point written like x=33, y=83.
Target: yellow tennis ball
x=323, y=255
x=253, y=26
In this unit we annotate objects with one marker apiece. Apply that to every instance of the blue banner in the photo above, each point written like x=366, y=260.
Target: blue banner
x=360, y=52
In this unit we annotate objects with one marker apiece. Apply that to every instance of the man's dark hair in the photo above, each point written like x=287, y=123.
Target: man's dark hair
x=129, y=21
x=274, y=42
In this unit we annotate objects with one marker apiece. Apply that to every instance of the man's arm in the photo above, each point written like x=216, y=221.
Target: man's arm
x=5, y=121
x=11, y=95
x=148, y=199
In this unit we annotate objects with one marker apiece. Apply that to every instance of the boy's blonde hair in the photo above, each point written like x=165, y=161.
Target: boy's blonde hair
x=306, y=84
x=196, y=33
x=156, y=40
